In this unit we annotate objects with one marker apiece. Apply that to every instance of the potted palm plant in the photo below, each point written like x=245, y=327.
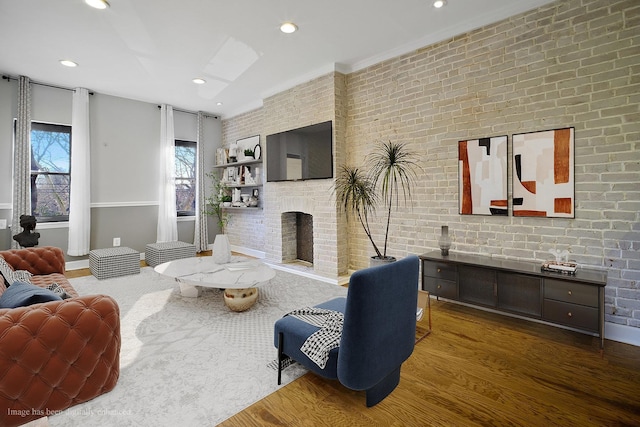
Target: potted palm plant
x=390, y=173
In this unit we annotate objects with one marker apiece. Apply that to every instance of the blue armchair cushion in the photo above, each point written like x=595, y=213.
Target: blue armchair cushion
x=297, y=333
x=21, y=294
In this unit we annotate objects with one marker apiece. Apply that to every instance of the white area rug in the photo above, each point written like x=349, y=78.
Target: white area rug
x=191, y=361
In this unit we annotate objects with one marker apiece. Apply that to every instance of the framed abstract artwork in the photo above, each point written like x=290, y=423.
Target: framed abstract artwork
x=482, y=176
x=543, y=173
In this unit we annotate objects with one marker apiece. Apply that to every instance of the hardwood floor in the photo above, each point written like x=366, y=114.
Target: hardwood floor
x=477, y=368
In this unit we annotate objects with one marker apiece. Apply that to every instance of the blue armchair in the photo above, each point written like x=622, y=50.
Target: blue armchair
x=378, y=332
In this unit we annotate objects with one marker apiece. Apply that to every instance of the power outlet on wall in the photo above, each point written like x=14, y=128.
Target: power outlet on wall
x=116, y=241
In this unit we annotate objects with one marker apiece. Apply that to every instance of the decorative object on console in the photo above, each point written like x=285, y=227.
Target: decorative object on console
x=27, y=238
x=561, y=264
x=560, y=267
x=390, y=165
x=444, y=241
x=543, y=173
x=560, y=255
x=257, y=151
x=483, y=176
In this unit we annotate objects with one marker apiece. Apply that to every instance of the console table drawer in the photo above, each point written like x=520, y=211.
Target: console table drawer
x=441, y=270
x=574, y=293
x=439, y=287
x=576, y=316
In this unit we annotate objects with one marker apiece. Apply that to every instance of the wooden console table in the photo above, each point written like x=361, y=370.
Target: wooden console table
x=519, y=288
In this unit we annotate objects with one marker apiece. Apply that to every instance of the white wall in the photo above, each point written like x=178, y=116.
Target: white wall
x=125, y=138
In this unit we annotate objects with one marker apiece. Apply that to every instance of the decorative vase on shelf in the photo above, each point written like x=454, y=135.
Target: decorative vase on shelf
x=444, y=241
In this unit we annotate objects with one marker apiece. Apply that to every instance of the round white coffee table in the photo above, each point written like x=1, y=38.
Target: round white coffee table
x=240, y=278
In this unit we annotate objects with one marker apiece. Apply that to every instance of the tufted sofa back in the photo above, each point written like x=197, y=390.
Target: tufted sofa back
x=42, y=260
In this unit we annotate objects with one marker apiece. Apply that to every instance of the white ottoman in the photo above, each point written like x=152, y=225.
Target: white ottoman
x=114, y=262
x=159, y=253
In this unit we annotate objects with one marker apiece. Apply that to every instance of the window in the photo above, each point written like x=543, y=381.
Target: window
x=50, y=171
x=185, y=177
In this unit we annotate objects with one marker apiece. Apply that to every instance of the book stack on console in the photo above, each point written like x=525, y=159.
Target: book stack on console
x=560, y=267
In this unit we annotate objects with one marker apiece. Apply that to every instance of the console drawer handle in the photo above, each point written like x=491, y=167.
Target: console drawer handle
x=439, y=286
x=570, y=293
x=569, y=314
x=439, y=270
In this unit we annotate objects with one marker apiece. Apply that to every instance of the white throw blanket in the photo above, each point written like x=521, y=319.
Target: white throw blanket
x=321, y=342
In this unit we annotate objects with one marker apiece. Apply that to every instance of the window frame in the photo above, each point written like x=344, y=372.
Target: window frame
x=194, y=145
x=50, y=127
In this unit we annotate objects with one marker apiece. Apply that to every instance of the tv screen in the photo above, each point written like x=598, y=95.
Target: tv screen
x=301, y=154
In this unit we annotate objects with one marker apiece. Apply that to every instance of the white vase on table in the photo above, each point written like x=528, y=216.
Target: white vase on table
x=221, y=249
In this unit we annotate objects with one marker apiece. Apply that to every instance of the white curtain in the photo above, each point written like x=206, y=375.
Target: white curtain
x=80, y=198
x=167, y=215
x=22, y=158
x=200, y=239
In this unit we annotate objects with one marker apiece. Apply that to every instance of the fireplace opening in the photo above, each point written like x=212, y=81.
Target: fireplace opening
x=297, y=237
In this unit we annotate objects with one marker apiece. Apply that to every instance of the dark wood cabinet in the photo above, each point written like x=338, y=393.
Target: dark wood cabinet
x=477, y=285
x=520, y=293
x=519, y=288
x=439, y=278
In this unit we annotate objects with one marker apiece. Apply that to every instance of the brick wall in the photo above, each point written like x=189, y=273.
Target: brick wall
x=570, y=63
x=319, y=100
x=248, y=225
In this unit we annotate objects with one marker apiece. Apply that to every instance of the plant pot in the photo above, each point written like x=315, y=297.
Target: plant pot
x=376, y=260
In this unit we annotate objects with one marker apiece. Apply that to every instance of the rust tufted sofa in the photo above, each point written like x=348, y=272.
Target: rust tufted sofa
x=57, y=354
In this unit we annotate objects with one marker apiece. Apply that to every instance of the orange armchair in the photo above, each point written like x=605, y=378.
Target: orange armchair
x=57, y=354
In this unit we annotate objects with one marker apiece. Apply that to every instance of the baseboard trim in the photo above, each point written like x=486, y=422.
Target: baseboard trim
x=622, y=333
x=77, y=265
x=246, y=251
x=262, y=255
x=303, y=273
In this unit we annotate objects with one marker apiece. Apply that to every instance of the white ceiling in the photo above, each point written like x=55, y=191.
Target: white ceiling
x=150, y=50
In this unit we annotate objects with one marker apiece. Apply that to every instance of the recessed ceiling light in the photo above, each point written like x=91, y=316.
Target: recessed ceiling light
x=219, y=103
x=439, y=3
x=199, y=81
x=68, y=63
x=98, y=4
x=288, y=27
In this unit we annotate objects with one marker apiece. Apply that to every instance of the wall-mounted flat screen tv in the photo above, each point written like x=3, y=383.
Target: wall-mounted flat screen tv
x=301, y=154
